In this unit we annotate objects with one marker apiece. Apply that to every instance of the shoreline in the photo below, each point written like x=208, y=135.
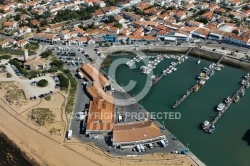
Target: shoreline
x=195, y=52
x=17, y=151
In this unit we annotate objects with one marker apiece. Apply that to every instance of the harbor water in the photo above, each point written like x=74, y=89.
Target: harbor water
x=230, y=143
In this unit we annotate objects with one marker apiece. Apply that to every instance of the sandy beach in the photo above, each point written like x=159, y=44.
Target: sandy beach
x=46, y=149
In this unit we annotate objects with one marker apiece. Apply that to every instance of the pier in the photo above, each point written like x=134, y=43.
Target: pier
x=245, y=85
x=178, y=102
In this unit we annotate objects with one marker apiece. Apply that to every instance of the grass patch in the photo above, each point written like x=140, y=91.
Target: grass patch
x=14, y=94
x=55, y=131
x=15, y=52
x=72, y=92
x=41, y=116
x=32, y=46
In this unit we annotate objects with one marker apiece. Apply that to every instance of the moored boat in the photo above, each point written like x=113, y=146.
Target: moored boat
x=221, y=106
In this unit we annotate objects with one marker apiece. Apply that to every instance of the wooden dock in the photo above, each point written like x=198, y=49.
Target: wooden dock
x=178, y=102
x=219, y=115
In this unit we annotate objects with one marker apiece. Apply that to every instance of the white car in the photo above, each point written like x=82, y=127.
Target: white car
x=80, y=116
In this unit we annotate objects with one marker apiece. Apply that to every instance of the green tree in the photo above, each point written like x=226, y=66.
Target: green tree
x=64, y=81
x=9, y=75
x=118, y=25
x=42, y=83
x=57, y=63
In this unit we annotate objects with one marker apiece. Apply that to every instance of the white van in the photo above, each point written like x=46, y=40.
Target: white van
x=69, y=134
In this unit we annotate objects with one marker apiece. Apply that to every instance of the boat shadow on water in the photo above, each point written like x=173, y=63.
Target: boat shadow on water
x=246, y=137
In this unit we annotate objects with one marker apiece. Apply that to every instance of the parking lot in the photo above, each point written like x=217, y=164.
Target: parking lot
x=25, y=84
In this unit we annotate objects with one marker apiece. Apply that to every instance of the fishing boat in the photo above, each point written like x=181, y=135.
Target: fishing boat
x=220, y=107
x=196, y=88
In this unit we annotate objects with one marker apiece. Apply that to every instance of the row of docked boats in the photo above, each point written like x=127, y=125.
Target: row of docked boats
x=207, y=127
x=134, y=60
x=172, y=67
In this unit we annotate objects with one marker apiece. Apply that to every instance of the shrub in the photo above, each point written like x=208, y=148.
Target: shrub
x=9, y=75
x=5, y=57
x=42, y=83
x=64, y=81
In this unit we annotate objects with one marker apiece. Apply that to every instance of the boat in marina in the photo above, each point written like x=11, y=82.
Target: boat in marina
x=202, y=82
x=212, y=128
x=228, y=99
x=243, y=81
x=173, y=63
x=174, y=69
x=217, y=68
x=205, y=124
x=242, y=92
x=247, y=76
x=212, y=73
x=220, y=107
x=199, y=61
x=196, y=88
x=236, y=99
x=168, y=71
x=248, y=85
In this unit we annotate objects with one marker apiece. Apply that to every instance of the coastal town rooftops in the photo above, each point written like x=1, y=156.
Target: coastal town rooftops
x=134, y=132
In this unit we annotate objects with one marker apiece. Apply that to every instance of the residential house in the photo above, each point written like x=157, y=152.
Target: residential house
x=180, y=15
x=24, y=29
x=64, y=35
x=35, y=63
x=10, y=25
x=47, y=38
x=194, y=23
x=6, y=42
x=119, y=19
x=21, y=43
x=201, y=33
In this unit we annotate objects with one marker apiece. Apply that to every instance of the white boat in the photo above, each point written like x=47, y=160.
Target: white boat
x=169, y=71
x=205, y=124
x=173, y=63
x=247, y=76
x=199, y=61
x=186, y=57
x=202, y=82
x=174, y=69
x=221, y=106
x=217, y=68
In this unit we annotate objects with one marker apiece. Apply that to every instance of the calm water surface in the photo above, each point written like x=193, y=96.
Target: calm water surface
x=228, y=145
